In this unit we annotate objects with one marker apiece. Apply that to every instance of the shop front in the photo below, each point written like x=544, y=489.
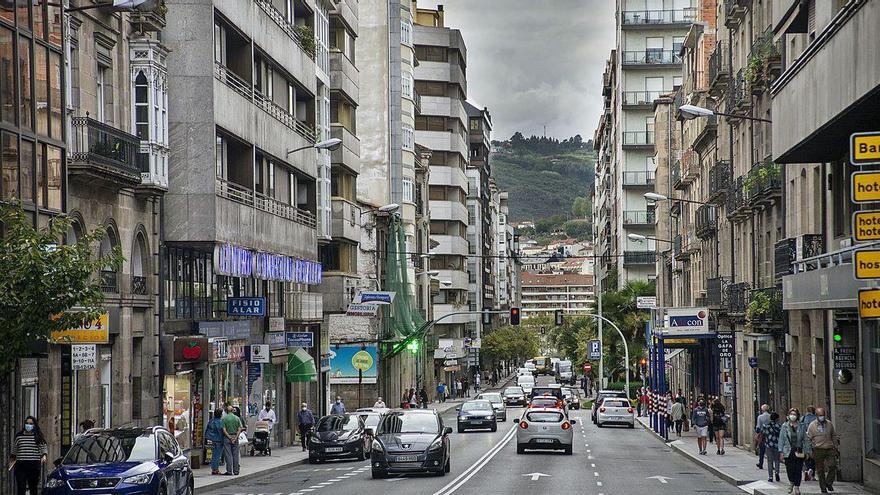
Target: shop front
x=182, y=405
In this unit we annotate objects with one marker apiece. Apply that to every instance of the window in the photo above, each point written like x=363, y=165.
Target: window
x=101, y=81
x=677, y=42
x=437, y=193
x=676, y=81
x=475, y=125
x=426, y=88
x=432, y=54
x=9, y=157
x=41, y=67
x=874, y=366
x=26, y=171
x=406, y=82
x=408, y=190
x=219, y=42
x=408, y=138
x=141, y=107
x=26, y=105
x=56, y=122
x=406, y=31
x=7, y=77
x=220, y=156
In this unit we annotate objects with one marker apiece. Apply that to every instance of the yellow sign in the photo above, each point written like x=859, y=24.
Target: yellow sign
x=865, y=187
x=90, y=332
x=362, y=361
x=866, y=264
x=864, y=148
x=866, y=225
x=869, y=303
x=845, y=397
x=669, y=342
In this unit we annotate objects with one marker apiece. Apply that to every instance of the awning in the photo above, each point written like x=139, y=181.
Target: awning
x=300, y=367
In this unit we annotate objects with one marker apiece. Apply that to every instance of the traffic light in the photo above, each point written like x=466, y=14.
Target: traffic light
x=837, y=336
x=559, y=317
x=644, y=362
x=514, y=315
x=413, y=346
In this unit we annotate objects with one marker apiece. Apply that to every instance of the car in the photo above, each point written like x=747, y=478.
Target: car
x=572, y=397
x=122, y=461
x=514, y=396
x=552, y=389
x=527, y=382
x=523, y=371
x=338, y=436
x=497, y=403
x=563, y=372
x=476, y=414
x=410, y=441
x=542, y=365
x=545, y=429
x=371, y=418
x=602, y=395
x=546, y=401
x=615, y=410
x=380, y=410
x=531, y=366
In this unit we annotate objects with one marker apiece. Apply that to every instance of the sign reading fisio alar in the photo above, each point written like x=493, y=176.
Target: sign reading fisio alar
x=680, y=322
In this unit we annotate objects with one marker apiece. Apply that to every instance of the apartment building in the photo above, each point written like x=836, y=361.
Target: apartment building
x=507, y=264
x=245, y=85
x=544, y=293
x=604, y=194
x=442, y=128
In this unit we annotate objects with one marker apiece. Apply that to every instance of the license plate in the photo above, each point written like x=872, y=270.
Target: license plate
x=333, y=449
x=544, y=440
x=407, y=458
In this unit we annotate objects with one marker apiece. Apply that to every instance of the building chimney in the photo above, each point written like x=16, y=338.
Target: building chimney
x=440, y=16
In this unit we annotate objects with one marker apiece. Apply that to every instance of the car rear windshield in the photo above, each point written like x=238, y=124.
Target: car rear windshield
x=544, y=401
x=404, y=422
x=513, y=390
x=490, y=397
x=550, y=391
x=544, y=417
x=476, y=406
x=337, y=423
x=615, y=403
x=109, y=447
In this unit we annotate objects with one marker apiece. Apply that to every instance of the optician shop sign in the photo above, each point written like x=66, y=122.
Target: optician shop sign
x=237, y=261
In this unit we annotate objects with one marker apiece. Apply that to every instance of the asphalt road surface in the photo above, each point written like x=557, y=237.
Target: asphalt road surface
x=609, y=461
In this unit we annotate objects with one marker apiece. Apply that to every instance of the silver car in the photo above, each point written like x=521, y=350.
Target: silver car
x=497, y=404
x=615, y=411
x=544, y=429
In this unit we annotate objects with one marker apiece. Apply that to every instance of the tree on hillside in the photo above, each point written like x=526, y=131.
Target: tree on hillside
x=581, y=230
x=581, y=207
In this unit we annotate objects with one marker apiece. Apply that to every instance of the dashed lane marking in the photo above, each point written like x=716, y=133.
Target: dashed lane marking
x=598, y=483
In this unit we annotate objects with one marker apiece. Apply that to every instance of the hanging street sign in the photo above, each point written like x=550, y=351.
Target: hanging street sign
x=866, y=226
x=375, y=297
x=864, y=148
x=866, y=264
x=646, y=302
x=869, y=304
x=83, y=357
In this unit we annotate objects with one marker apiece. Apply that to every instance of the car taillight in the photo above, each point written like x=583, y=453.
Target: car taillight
x=523, y=425
x=601, y=409
x=566, y=425
x=629, y=410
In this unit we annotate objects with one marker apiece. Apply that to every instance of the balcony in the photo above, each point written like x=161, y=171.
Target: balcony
x=676, y=174
x=639, y=258
x=150, y=20
x=764, y=310
x=706, y=221
x=640, y=98
x=303, y=36
x=690, y=165
x=738, y=206
x=650, y=58
x=763, y=184
x=790, y=251
x=104, y=152
x=639, y=179
x=740, y=96
x=737, y=296
x=345, y=220
x=720, y=178
x=248, y=197
x=715, y=290
x=735, y=11
x=681, y=247
x=638, y=139
x=655, y=18
x=138, y=285
x=344, y=76
x=638, y=217
x=348, y=154
x=303, y=306
x=718, y=68
x=109, y=281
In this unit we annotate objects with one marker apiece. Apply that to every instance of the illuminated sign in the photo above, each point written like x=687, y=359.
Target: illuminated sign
x=236, y=261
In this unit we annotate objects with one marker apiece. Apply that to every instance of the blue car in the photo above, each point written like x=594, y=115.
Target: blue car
x=122, y=461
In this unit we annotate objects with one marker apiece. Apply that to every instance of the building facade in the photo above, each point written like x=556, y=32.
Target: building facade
x=545, y=293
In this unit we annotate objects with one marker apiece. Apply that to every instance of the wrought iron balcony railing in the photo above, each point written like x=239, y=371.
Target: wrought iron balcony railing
x=103, y=147
x=639, y=257
x=765, y=307
x=138, y=285
x=738, y=299
x=764, y=181
x=656, y=17
x=706, y=221
x=720, y=179
x=651, y=57
x=715, y=290
x=718, y=71
x=109, y=281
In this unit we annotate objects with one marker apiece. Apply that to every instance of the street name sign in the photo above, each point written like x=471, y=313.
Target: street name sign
x=864, y=148
x=866, y=264
x=305, y=340
x=869, y=304
x=646, y=302
x=866, y=225
x=865, y=187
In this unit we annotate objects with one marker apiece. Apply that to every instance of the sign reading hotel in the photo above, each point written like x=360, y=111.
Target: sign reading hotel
x=237, y=261
x=866, y=264
x=864, y=148
x=866, y=226
x=865, y=187
x=869, y=304
x=88, y=332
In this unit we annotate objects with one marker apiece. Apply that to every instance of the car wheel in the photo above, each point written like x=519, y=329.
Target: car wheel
x=361, y=455
x=190, y=488
x=379, y=474
x=460, y=429
x=568, y=450
x=495, y=426
x=599, y=424
x=520, y=449
x=163, y=489
x=632, y=425
x=314, y=460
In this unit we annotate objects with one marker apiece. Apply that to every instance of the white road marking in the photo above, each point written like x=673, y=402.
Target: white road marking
x=536, y=476
x=592, y=464
x=455, y=484
x=596, y=474
x=598, y=483
x=590, y=457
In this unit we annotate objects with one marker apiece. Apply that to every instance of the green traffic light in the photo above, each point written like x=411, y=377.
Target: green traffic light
x=838, y=337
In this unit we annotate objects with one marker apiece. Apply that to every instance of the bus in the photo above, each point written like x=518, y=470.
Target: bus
x=542, y=365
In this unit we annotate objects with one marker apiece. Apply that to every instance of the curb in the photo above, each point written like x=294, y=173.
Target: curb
x=708, y=467
x=231, y=480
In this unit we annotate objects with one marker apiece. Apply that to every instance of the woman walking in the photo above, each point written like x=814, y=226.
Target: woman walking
x=770, y=434
x=214, y=434
x=29, y=452
x=678, y=415
x=794, y=447
x=719, y=425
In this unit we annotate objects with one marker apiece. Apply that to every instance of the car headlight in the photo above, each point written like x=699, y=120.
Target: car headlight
x=314, y=439
x=353, y=439
x=436, y=444
x=377, y=446
x=140, y=479
x=54, y=483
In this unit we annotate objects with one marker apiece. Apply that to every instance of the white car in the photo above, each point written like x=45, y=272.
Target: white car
x=544, y=429
x=527, y=382
x=615, y=411
x=497, y=403
x=523, y=371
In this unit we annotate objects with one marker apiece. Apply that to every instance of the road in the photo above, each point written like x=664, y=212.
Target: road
x=606, y=461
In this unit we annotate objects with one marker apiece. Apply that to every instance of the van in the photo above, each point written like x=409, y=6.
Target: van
x=527, y=382
x=563, y=373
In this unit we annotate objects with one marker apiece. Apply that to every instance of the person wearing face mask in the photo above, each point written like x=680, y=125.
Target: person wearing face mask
x=810, y=463
x=794, y=447
x=338, y=406
x=29, y=452
x=380, y=404
x=825, y=444
x=305, y=421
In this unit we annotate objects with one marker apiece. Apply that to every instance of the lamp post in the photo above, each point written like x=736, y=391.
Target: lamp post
x=660, y=197
x=331, y=144
x=692, y=111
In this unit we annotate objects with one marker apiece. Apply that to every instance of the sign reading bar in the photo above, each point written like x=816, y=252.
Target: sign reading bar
x=866, y=264
x=89, y=332
x=864, y=148
x=869, y=303
x=865, y=187
x=844, y=357
x=866, y=225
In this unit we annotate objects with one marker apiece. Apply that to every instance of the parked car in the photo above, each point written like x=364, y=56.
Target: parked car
x=514, y=396
x=544, y=429
x=497, y=403
x=476, y=414
x=411, y=441
x=615, y=410
x=601, y=396
x=122, y=461
x=339, y=436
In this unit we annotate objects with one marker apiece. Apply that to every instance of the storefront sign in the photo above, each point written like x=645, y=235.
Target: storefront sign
x=223, y=350
x=276, y=324
x=865, y=187
x=349, y=359
x=844, y=357
x=241, y=262
x=869, y=303
x=89, y=332
x=646, y=302
x=357, y=309
x=233, y=330
x=246, y=306
x=725, y=343
x=233, y=261
x=305, y=340
x=83, y=357
x=190, y=349
x=690, y=322
x=864, y=148
x=276, y=339
x=678, y=343
x=260, y=353
x=375, y=297
x=866, y=225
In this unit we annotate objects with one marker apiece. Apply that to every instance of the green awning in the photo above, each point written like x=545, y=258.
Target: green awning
x=300, y=367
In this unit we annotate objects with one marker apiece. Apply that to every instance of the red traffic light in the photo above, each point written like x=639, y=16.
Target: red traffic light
x=514, y=316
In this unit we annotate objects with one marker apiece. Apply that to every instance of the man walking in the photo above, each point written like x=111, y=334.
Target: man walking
x=826, y=448
x=809, y=463
x=760, y=423
x=338, y=406
x=441, y=392
x=232, y=428
x=677, y=414
x=305, y=421
x=700, y=420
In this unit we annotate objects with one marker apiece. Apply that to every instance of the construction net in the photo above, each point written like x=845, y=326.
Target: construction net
x=401, y=318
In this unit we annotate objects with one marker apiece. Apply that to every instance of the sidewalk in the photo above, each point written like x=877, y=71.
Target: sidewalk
x=737, y=467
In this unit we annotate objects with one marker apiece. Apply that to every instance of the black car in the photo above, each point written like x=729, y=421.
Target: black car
x=122, y=461
x=476, y=414
x=411, y=441
x=338, y=436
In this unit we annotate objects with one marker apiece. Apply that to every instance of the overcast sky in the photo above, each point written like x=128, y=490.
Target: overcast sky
x=535, y=62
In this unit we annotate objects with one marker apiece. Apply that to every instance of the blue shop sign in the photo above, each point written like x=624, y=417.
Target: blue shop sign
x=753, y=362
x=305, y=340
x=246, y=306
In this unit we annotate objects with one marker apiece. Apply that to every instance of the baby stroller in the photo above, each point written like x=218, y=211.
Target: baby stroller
x=260, y=441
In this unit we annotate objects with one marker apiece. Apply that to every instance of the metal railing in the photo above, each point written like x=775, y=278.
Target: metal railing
x=676, y=173
x=718, y=63
x=101, y=144
x=737, y=296
x=656, y=17
x=740, y=94
x=764, y=180
x=643, y=178
x=109, y=281
x=638, y=138
x=306, y=45
x=233, y=80
x=638, y=217
x=138, y=285
x=765, y=306
x=706, y=221
x=715, y=288
x=640, y=97
x=639, y=257
x=720, y=178
x=825, y=260
x=737, y=201
x=248, y=197
x=651, y=57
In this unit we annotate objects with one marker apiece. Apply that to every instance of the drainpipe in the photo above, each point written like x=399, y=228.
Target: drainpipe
x=735, y=434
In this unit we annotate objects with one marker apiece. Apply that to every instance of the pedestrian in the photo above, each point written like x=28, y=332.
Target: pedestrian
x=677, y=413
x=825, y=445
x=719, y=425
x=423, y=397
x=644, y=402
x=700, y=420
x=29, y=451
x=441, y=392
x=305, y=421
x=413, y=399
x=268, y=415
x=214, y=435
x=379, y=404
x=760, y=422
x=338, y=406
x=669, y=405
x=794, y=447
x=86, y=425
x=456, y=388
x=477, y=383
x=232, y=428
x=810, y=462
x=770, y=439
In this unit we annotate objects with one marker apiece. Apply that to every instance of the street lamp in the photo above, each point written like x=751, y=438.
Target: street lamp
x=389, y=208
x=692, y=111
x=431, y=273
x=331, y=144
x=659, y=197
x=643, y=238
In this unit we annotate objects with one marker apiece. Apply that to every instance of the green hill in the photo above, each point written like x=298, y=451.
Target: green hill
x=543, y=175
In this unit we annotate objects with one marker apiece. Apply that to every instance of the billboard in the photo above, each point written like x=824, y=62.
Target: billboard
x=346, y=359
x=686, y=322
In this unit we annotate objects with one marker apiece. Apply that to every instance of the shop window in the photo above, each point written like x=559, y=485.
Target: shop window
x=26, y=102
